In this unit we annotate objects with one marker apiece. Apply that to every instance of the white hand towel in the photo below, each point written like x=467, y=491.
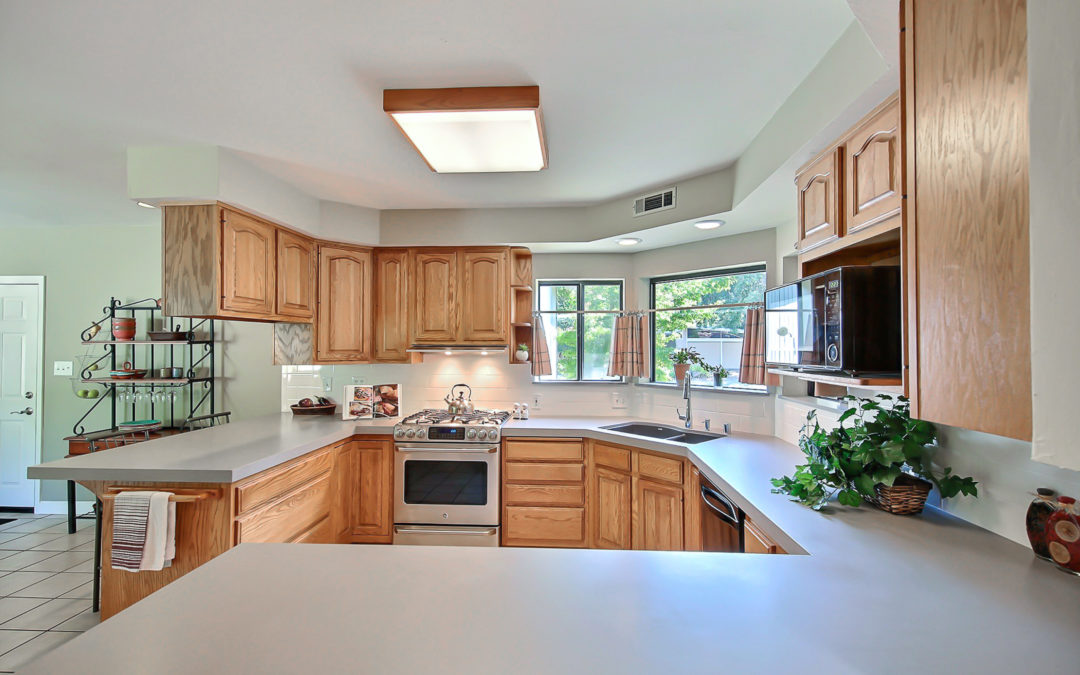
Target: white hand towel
x=157, y=529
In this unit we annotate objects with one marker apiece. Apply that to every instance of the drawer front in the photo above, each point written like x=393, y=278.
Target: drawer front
x=517, y=472
x=280, y=480
x=660, y=468
x=544, y=526
x=544, y=450
x=546, y=495
x=288, y=517
x=321, y=533
x=611, y=456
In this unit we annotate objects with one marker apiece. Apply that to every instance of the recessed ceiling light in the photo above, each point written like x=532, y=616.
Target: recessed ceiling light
x=628, y=241
x=145, y=205
x=448, y=352
x=472, y=129
x=708, y=224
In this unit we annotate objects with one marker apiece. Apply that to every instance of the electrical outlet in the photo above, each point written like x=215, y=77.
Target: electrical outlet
x=537, y=401
x=62, y=368
x=618, y=399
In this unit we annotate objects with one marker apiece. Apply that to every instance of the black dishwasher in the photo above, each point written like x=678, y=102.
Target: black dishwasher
x=721, y=521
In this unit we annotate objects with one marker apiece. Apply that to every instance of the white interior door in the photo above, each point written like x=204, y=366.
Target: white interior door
x=20, y=368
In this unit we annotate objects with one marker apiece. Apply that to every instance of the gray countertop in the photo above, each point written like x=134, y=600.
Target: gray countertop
x=876, y=594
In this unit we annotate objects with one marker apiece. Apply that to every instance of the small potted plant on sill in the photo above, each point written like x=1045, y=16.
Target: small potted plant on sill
x=683, y=359
x=719, y=372
x=522, y=353
x=883, y=456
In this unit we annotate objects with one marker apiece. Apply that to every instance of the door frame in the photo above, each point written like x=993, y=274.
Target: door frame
x=39, y=382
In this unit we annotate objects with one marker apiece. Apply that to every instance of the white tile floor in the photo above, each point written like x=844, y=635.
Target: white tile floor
x=46, y=581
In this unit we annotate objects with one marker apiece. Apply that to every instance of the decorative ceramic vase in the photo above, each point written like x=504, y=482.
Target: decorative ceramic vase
x=521, y=356
x=680, y=371
x=1063, y=535
x=1038, y=513
x=123, y=328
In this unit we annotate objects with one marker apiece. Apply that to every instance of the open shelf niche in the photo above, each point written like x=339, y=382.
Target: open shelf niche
x=521, y=302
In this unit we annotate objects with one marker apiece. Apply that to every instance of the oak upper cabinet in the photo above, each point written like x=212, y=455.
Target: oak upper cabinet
x=434, y=310
x=344, y=329
x=485, y=296
x=872, y=154
x=248, y=263
x=391, y=325
x=819, y=188
x=295, y=276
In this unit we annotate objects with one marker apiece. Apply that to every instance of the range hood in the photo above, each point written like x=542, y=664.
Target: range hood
x=482, y=350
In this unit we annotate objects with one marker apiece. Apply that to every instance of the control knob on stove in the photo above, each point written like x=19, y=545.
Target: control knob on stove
x=482, y=434
x=471, y=433
x=399, y=433
x=421, y=432
x=410, y=433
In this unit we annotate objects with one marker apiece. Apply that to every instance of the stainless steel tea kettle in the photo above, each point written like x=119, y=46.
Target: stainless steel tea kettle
x=460, y=404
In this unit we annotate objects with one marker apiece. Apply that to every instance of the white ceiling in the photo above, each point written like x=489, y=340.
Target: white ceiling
x=635, y=93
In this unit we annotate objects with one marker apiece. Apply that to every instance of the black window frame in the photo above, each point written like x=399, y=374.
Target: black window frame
x=720, y=272
x=581, y=284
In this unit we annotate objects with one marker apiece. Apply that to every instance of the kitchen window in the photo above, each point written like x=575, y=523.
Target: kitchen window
x=579, y=343
x=682, y=319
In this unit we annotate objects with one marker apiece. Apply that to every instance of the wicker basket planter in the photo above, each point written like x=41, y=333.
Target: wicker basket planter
x=906, y=497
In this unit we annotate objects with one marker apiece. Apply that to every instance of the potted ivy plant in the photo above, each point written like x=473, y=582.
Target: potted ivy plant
x=877, y=452
x=719, y=372
x=683, y=359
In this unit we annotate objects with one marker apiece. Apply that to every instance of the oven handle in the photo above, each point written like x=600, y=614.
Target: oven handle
x=731, y=515
x=479, y=449
x=442, y=530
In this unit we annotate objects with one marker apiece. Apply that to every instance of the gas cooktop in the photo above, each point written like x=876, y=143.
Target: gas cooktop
x=480, y=426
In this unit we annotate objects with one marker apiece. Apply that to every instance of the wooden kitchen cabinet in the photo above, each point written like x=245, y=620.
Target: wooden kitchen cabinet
x=248, y=263
x=820, y=207
x=872, y=153
x=756, y=541
x=434, y=311
x=372, y=511
x=295, y=276
x=391, y=325
x=657, y=516
x=343, y=331
x=286, y=502
x=485, y=296
x=611, y=508
x=543, y=492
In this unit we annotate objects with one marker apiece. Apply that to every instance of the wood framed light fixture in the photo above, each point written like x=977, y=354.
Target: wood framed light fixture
x=472, y=129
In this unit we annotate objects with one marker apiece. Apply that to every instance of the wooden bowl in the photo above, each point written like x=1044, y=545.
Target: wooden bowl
x=314, y=409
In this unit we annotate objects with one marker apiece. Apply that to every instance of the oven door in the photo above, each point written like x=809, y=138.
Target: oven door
x=444, y=484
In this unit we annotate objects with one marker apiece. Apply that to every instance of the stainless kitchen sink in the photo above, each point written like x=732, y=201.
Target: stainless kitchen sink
x=663, y=433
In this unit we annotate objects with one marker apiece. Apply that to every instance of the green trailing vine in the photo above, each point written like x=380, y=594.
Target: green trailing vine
x=875, y=441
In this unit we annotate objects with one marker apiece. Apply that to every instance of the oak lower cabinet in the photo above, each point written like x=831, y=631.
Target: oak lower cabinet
x=371, y=513
x=543, y=493
x=287, y=502
x=611, y=508
x=756, y=541
x=344, y=317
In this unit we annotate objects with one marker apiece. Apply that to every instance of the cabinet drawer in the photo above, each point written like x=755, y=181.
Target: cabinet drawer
x=544, y=526
x=543, y=449
x=279, y=480
x=517, y=472
x=321, y=533
x=288, y=517
x=660, y=468
x=611, y=456
x=547, y=495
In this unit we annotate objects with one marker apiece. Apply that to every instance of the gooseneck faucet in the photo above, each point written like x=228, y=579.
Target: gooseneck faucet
x=689, y=416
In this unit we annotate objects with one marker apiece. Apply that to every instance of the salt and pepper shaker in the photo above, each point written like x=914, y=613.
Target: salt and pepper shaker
x=524, y=411
x=517, y=412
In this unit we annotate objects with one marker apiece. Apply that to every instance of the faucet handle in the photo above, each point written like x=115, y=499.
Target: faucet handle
x=707, y=423
x=680, y=415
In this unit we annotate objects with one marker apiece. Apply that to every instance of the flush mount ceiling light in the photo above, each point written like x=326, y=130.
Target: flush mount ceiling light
x=708, y=224
x=472, y=129
x=628, y=241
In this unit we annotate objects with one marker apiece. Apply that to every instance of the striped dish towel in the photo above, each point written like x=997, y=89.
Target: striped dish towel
x=144, y=530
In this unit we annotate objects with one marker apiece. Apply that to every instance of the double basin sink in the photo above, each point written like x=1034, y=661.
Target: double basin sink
x=663, y=433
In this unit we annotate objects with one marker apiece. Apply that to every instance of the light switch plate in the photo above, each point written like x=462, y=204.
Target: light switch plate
x=62, y=368
x=537, y=401
x=618, y=399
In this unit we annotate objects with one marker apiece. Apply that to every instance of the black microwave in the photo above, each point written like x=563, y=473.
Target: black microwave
x=845, y=320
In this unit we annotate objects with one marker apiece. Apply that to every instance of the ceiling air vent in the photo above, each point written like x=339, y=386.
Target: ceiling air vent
x=659, y=201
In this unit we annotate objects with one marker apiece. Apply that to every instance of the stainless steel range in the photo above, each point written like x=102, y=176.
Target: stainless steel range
x=446, y=485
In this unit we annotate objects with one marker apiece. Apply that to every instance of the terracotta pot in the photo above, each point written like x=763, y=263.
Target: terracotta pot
x=680, y=371
x=123, y=328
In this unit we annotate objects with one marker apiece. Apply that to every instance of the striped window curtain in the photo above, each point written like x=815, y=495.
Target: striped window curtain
x=628, y=345
x=541, y=360
x=752, y=366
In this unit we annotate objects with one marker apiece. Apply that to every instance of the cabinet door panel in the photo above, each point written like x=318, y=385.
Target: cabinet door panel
x=248, y=264
x=658, y=516
x=819, y=201
x=344, y=322
x=391, y=305
x=872, y=170
x=295, y=275
x=611, y=509
x=372, y=515
x=434, y=313
x=485, y=300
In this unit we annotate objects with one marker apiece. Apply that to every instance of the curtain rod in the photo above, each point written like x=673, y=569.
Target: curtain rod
x=736, y=305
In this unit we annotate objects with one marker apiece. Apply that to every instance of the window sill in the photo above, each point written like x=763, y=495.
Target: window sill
x=701, y=387
x=615, y=382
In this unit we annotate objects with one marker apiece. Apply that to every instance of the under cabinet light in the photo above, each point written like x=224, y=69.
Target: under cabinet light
x=472, y=129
